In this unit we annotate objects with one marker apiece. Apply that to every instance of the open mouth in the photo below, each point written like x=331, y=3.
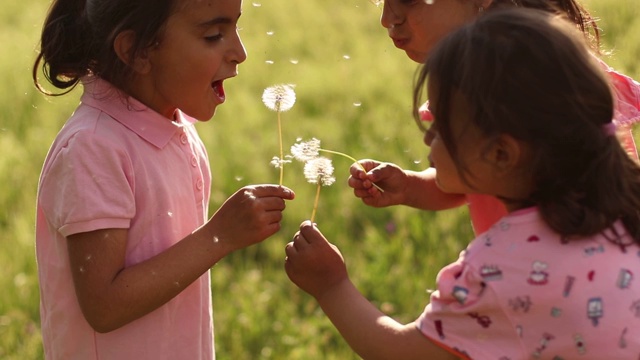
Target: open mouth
x=218, y=89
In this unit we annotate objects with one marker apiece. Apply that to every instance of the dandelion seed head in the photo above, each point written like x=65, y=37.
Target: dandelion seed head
x=307, y=150
x=279, y=97
x=319, y=170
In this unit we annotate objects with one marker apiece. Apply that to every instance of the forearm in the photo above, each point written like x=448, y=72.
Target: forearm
x=423, y=192
x=139, y=289
x=372, y=334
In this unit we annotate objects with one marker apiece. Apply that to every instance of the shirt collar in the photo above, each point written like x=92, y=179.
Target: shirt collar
x=137, y=117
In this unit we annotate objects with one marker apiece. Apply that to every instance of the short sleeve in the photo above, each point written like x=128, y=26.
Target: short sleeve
x=463, y=315
x=627, y=94
x=425, y=114
x=87, y=185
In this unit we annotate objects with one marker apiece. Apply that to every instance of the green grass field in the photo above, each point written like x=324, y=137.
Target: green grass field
x=353, y=93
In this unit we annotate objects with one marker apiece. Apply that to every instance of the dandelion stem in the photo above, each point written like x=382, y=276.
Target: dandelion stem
x=281, y=151
x=352, y=159
x=315, y=203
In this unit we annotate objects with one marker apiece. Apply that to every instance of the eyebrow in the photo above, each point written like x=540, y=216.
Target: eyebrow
x=218, y=20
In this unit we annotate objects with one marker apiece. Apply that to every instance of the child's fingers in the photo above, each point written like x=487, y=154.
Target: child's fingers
x=310, y=232
x=267, y=190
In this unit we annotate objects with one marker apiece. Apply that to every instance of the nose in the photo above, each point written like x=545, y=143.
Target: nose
x=390, y=17
x=237, y=53
x=429, y=135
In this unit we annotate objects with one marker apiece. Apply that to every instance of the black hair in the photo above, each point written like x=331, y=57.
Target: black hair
x=529, y=74
x=78, y=39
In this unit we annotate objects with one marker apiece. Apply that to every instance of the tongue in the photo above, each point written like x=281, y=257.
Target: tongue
x=218, y=89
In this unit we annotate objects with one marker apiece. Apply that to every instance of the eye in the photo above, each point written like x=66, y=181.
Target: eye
x=213, y=38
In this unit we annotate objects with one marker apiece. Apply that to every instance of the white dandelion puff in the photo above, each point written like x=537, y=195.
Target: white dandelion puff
x=306, y=150
x=319, y=171
x=279, y=97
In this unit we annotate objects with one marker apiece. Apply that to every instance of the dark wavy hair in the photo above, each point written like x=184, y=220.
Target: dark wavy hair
x=529, y=74
x=78, y=38
x=572, y=9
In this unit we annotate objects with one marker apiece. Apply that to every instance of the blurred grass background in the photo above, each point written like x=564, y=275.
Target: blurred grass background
x=353, y=93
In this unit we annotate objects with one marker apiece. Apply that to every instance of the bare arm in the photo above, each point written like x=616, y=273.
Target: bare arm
x=317, y=267
x=112, y=295
x=401, y=187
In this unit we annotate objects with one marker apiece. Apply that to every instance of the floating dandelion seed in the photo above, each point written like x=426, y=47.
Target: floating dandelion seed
x=306, y=151
x=319, y=171
x=279, y=98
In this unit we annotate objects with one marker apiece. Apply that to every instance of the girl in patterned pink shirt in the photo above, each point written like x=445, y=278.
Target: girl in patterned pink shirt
x=522, y=112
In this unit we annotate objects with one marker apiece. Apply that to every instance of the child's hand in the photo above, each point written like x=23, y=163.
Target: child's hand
x=312, y=263
x=250, y=215
x=389, y=177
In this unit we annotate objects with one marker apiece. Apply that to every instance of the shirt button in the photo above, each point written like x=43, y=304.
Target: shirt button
x=194, y=161
x=184, y=139
x=199, y=184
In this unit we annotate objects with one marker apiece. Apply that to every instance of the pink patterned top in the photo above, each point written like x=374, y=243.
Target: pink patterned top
x=519, y=292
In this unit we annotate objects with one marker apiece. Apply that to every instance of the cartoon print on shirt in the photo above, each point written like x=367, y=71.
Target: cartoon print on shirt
x=538, y=275
x=483, y=320
x=622, y=343
x=533, y=238
x=624, y=278
x=460, y=293
x=568, y=285
x=487, y=240
x=520, y=303
x=546, y=337
x=592, y=250
x=556, y=312
x=504, y=226
x=490, y=273
x=580, y=346
x=595, y=310
x=438, y=324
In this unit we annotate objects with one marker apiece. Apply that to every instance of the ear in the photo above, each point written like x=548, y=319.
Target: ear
x=123, y=47
x=505, y=154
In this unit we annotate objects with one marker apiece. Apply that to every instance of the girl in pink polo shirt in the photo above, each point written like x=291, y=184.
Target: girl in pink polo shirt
x=522, y=112
x=415, y=27
x=124, y=244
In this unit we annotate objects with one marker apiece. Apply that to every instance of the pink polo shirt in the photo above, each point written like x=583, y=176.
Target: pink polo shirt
x=118, y=164
x=519, y=292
